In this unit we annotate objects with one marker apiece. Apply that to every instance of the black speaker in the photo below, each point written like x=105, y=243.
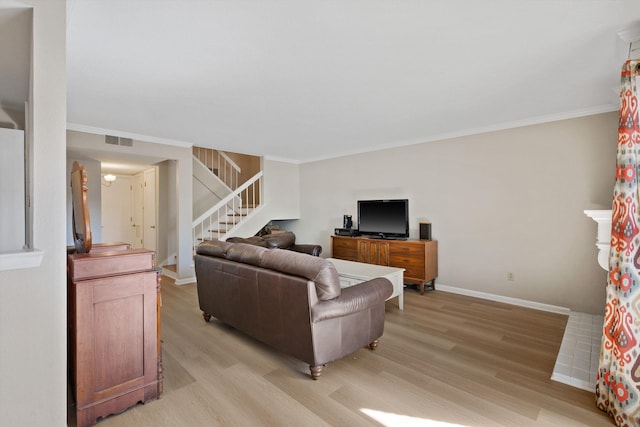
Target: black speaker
x=425, y=231
x=346, y=221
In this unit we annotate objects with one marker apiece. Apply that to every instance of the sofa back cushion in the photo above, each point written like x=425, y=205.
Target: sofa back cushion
x=246, y=253
x=320, y=271
x=215, y=248
x=253, y=240
x=280, y=240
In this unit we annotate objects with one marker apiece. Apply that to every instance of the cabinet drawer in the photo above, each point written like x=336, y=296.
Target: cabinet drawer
x=413, y=269
x=344, y=248
x=407, y=250
x=409, y=256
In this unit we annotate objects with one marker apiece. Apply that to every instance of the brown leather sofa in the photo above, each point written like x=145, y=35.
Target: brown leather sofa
x=290, y=301
x=279, y=240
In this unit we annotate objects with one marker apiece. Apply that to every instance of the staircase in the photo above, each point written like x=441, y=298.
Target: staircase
x=230, y=212
x=236, y=202
x=220, y=165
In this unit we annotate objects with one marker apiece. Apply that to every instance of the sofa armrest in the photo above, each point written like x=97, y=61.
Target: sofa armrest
x=353, y=299
x=314, y=250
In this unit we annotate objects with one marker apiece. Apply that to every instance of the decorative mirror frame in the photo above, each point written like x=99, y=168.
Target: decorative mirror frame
x=80, y=209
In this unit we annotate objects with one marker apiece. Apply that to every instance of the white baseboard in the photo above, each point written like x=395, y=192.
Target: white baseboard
x=185, y=281
x=508, y=300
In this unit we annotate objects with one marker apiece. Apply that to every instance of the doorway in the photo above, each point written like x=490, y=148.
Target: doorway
x=129, y=210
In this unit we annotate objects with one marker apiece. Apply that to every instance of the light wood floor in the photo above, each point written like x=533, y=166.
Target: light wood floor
x=446, y=360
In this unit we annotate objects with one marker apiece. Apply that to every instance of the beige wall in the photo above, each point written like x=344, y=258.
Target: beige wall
x=281, y=189
x=33, y=358
x=507, y=201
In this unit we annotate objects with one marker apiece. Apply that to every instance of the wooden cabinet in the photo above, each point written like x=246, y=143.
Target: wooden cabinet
x=114, y=331
x=419, y=258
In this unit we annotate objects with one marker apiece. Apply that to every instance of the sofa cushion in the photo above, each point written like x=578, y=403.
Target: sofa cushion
x=216, y=248
x=319, y=270
x=280, y=240
x=246, y=253
x=253, y=240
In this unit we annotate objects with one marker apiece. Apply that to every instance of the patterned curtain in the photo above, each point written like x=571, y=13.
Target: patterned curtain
x=618, y=382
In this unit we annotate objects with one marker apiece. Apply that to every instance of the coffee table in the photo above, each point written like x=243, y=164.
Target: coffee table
x=351, y=273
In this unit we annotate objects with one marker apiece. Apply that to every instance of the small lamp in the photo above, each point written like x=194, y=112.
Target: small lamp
x=109, y=178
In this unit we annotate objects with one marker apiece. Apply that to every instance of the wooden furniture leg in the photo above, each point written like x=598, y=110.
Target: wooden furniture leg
x=207, y=317
x=374, y=344
x=316, y=371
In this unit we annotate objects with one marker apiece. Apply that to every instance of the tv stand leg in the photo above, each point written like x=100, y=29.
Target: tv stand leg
x=427, y=285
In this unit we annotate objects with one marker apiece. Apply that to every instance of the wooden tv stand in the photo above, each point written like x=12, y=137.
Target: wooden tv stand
x=419, y=258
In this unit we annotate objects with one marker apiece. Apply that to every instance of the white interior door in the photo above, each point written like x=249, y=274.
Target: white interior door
x=150, y=221
x=117, y=211
x=138, y=210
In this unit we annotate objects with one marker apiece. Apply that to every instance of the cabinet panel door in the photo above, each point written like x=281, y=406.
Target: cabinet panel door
x=381, y=256
x=116, y=331
x=364, y=251
x=344, y=248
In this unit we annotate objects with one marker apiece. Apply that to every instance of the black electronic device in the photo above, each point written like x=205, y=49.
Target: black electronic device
x=387, y=219
x=346, y=232
x=347, y=222
x=425, y=231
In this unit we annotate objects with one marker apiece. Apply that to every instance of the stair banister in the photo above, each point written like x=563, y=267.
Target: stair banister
x=234, y=170
x=229, y=198
x=228, y=206
x=220, y=164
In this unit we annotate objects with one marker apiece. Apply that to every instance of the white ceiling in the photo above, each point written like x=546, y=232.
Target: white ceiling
x=311, y=79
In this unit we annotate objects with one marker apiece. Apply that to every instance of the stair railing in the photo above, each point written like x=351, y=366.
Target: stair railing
x=229, y=212
x=228, y=170
x=220, y=164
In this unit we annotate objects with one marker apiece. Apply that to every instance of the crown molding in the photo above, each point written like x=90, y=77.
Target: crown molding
x=134, y=136
x=601, y=109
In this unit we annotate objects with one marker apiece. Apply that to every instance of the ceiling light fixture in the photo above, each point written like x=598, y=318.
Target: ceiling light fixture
x=109, y=178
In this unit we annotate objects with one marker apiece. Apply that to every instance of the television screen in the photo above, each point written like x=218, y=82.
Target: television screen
x=384, y=218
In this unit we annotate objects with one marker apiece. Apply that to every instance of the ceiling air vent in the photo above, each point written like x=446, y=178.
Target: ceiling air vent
x=109, y=139
x=114, y=140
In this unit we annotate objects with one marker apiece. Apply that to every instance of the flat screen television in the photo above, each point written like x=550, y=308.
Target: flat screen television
x=386, y=219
